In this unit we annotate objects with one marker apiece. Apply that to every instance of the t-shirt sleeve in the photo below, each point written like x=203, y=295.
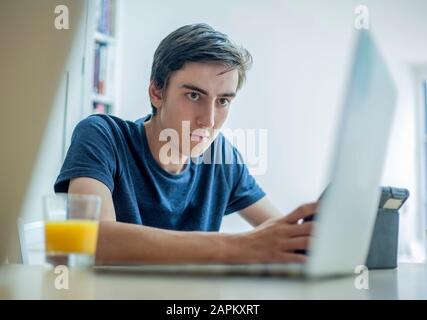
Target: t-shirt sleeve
x=245, y=190
x=91, y=154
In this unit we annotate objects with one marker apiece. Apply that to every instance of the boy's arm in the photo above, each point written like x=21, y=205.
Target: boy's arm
x=92, y=186
x=126, y=242
x=260, y=212
x=274, y=241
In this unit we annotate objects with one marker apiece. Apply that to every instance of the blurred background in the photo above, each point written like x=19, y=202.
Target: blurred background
x=301, y=51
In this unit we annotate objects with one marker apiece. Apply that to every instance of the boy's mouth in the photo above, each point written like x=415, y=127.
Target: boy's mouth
x=199, y=137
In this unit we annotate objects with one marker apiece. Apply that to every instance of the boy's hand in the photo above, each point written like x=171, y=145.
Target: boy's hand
x=276, y=240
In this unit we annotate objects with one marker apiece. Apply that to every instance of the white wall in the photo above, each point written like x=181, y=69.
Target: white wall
x=301, y=51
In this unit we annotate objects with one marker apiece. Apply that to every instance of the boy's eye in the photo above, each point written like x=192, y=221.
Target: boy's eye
x=193, y=96
x=224, y=102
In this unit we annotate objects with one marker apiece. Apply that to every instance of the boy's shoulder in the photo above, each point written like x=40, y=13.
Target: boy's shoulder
x=104, y=123
x=100, y=120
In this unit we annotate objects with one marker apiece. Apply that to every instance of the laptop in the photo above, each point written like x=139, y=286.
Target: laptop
x=347, y=211
x=32, y=64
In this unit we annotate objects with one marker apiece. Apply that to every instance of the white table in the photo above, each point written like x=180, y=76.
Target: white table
x=409, y=281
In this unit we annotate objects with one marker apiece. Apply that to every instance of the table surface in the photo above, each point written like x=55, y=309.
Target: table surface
x=408, y=281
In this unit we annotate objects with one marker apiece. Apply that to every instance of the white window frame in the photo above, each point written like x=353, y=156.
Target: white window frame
x=420, y=81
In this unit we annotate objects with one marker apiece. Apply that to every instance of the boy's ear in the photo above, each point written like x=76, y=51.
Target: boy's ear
x=155, y=95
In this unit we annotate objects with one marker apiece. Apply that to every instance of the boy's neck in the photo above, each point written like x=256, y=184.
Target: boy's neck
x=153, y=128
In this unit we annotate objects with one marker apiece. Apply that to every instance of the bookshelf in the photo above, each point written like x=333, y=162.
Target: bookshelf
x=102, y=96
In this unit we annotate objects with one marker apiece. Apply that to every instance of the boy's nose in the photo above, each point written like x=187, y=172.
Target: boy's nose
x=207, y=118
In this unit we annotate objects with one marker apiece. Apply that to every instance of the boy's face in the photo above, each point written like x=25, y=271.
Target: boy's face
x=200, y=93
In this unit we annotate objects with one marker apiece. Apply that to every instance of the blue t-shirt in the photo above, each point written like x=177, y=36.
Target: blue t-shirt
x=116, y=152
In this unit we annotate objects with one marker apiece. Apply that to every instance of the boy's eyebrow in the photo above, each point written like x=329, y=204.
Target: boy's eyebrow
x=191, y=87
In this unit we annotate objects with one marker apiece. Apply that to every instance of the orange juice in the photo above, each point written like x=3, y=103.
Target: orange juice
x=71, y=236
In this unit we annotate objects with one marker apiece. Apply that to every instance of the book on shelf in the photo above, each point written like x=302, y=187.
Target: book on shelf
x=103, y=75
x=104, y=17
x=101, y=108
x=96, y=68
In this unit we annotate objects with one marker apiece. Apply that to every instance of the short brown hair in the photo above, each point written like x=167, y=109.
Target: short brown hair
x=197, y=43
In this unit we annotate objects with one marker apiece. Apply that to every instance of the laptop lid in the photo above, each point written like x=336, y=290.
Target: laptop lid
x=32, y=60
x=348, y=209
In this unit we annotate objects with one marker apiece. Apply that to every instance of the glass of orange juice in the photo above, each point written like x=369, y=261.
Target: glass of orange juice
x=71, y=228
